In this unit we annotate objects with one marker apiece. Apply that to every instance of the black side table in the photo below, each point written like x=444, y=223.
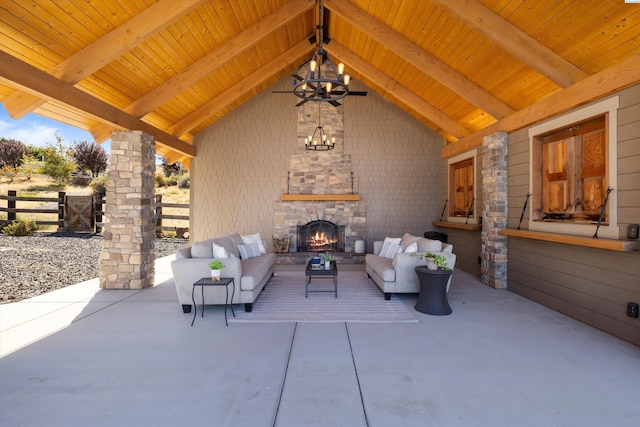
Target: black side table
x=433, y=291
x=206, y=281
x=332, y=272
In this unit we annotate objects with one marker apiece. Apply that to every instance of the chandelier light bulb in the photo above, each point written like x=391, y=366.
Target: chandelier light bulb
x=347, y=79
x=341, y=68
x=329, y=86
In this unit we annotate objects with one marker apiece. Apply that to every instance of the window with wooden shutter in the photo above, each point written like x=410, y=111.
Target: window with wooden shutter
x=461, y=178
x=571, y=165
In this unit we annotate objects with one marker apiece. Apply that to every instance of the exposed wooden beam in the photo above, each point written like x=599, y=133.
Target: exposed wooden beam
x=210, y=62
x=240, y=89
x=514, y=41
x=419, y=58
x=25, y=77
x=106, y=49
x=614, y=79
x=390, y=88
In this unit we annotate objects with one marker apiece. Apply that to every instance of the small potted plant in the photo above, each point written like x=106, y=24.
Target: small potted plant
x=434, y=262
x=327, y=258
x=216, y=266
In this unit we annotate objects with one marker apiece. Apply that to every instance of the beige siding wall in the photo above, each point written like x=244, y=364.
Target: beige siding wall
x=591, y=285
x=243, y=158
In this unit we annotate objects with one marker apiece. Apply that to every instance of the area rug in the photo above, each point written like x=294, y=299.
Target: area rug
x=359, y=299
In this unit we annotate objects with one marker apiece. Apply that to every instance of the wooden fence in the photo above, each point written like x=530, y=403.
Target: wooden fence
x=12, y=208
x=69, y=212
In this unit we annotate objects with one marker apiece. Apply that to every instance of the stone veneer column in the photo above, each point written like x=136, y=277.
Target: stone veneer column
x=127, y=259
x=494, y=215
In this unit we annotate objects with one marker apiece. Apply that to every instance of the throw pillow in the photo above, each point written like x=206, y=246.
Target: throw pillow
x=390, y=249
x=395, y=240
x=220, y=252
x=412, y=248
x=249, y=250
x=255, y=238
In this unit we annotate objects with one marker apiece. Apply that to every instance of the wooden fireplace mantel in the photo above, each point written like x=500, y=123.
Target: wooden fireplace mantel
x=320, y=197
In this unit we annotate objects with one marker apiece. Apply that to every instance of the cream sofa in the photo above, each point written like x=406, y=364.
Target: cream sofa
x=394, y=270
x=250, y=273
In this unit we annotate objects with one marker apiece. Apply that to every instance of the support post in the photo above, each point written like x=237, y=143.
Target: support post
x=127, y=260
x=495, y=209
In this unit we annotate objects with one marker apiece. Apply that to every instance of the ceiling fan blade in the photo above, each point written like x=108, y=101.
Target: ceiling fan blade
x=301, y=102
x=335, y=103
x=297, y=77
x=356, y=93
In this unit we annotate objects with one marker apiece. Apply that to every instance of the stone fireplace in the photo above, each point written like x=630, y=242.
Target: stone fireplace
x=320, y=188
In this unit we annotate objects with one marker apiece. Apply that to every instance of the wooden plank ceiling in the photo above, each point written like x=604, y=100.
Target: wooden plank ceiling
x=174, y=67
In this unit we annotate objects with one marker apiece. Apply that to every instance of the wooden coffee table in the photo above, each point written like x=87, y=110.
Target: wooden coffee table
x=321, y=273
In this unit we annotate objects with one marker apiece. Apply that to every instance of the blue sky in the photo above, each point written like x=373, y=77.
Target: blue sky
x=39, y=131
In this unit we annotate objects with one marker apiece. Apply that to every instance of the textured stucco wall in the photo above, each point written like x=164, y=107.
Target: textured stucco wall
x=244, y=157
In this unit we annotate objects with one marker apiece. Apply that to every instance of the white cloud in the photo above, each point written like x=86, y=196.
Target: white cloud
x=30, y=133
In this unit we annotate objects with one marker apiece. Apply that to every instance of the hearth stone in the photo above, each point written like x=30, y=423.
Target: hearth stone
x=303, y=257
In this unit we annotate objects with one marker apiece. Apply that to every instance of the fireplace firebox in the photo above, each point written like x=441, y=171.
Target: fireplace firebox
x=320, y=236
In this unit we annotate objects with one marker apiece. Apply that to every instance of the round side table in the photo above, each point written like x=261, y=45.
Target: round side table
x=433, y=291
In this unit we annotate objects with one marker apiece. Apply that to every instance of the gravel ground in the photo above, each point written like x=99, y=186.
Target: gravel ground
x=34, y=265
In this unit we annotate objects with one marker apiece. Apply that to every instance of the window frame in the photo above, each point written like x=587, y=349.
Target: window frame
x=465, y=157
x=609, y=228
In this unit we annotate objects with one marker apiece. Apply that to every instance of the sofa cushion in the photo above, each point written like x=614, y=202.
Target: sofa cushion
x=383, y=267
x=255, y=269
x=408, y=239
x=428, y=245
x=202, y=249
x=248, y=251
x=390, y=249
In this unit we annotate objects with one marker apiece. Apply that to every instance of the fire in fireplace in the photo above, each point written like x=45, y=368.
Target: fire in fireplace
x=320, y=236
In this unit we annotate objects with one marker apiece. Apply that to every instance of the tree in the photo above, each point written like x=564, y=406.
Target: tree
x=176, y=168
x=58, y=163
x=11, y=152
x=30, y=165
x=90, y=156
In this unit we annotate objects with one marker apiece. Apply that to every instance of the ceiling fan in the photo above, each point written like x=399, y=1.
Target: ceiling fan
x=335, y=92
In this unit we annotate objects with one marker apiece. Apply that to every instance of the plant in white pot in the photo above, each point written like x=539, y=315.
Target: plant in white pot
x=216, y=266
x=327, y=258
x=434, y=262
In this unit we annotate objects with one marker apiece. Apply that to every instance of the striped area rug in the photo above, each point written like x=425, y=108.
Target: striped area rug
x=359, y=299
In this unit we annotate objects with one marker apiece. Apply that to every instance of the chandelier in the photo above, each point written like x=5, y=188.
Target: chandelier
x=316, y=87
x=322, y=143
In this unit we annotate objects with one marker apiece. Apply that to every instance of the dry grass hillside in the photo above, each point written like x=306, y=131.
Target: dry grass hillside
x=43, y=186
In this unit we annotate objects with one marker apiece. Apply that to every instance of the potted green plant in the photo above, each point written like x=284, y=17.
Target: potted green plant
x=434, y=262
x=327, y=258
x=216, y=266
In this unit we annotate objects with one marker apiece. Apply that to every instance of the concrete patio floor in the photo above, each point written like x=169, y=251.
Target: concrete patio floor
x=81, y=356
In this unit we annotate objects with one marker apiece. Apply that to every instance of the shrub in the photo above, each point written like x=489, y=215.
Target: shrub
x=184, y=180
x=99, y=185
x=20, y=227
x=80, y=180
x=159, y=179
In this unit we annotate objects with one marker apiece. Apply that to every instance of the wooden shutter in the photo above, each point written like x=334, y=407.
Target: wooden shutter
x=593, y=171
x=556, y=185
x=461, y=195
